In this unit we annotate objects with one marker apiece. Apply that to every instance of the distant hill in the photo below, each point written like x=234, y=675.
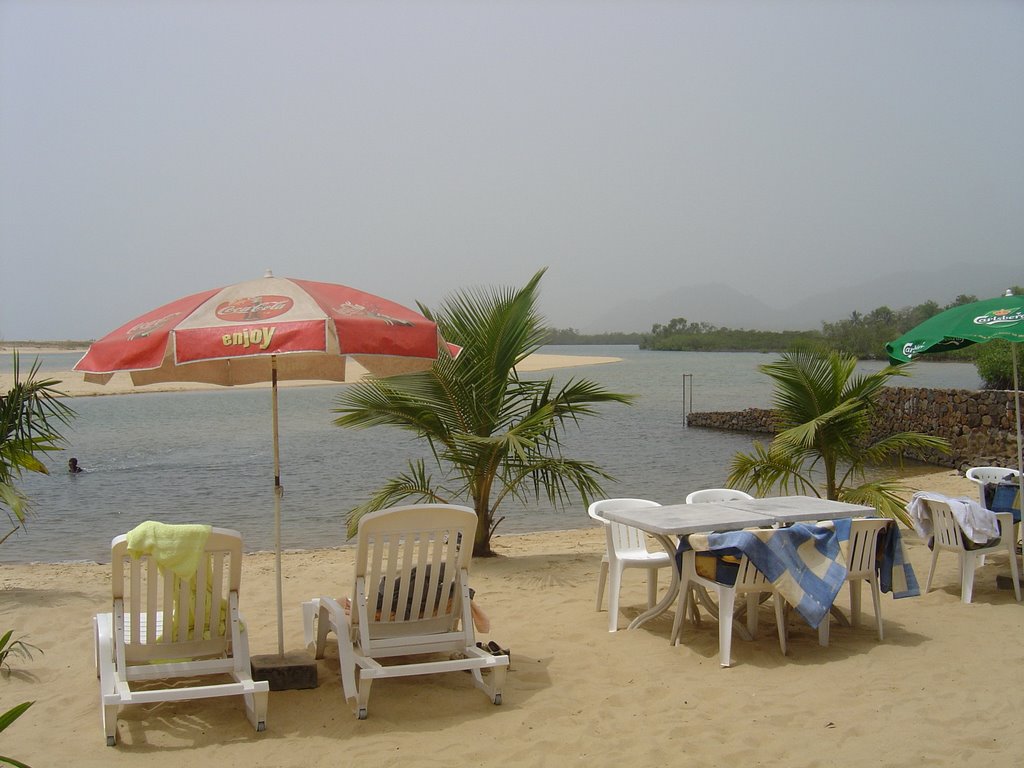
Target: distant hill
x=725, y=306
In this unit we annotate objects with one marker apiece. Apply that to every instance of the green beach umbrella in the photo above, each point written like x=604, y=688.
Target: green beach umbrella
x=958, y=327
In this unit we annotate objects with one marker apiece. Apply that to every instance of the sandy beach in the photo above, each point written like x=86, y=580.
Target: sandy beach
x=73, y=385
x=576, y=694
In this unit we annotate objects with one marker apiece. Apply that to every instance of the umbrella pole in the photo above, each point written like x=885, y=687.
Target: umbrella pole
x=278, y=491
x=1020, y=450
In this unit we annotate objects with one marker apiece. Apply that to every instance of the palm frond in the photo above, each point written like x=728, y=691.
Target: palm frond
x=883, y=448
x=764, y=471
x=886, y=496
x=415, y=485
x=493, y=432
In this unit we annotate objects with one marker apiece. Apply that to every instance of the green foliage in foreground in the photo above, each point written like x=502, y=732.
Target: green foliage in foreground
x=823, y=411
x=30, y=417
x=493, y=434
x=18, y=648
x=6, y=719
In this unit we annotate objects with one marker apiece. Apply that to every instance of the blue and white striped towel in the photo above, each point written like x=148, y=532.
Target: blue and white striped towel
x=803, y=562
x=895, y=573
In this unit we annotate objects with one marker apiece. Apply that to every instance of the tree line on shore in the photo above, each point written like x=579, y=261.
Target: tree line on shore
x=862, y=335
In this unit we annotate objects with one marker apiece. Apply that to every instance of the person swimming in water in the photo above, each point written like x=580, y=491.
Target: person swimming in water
x=73, y=467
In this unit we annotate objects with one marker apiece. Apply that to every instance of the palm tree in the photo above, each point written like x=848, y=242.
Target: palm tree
x=823, y=414
x=30, y=414
x=493, y=435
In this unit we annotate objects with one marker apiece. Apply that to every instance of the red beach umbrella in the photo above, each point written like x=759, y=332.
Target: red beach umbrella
x=266, y=330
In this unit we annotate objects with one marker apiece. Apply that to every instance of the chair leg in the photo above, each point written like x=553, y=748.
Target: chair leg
x=1011, y=550
x=876, y=598
x=823, y=630
x=855, y=602
x=602, y=578
x=652, y=587
x=256, y=709
x=105, y=660
x=780, y=620
x=310, y=608
x=682, y=605
x=614, y=583
x=351, y=683
x=931, y=569
x=363, y=703
x=110, y=725
x=968, y=563
x=752, y=605
x=323, y=626
x=726, y=605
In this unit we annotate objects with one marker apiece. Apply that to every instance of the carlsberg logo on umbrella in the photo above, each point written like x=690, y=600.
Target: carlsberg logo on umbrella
x=1000, y=317
x=912, y=349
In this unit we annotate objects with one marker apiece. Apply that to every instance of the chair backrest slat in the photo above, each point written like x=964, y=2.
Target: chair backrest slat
x=167, y=609
x=862, y=548
x=152, y=603
x=945, y=528
x=409, y=565
x=201, y=625
x=217, y=605
x=748, y=575
x=162, y=610
x=621, y=539
x=134, y=604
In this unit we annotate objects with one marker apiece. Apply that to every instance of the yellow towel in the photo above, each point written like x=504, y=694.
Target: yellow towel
x=179, y=549
x=176, y=547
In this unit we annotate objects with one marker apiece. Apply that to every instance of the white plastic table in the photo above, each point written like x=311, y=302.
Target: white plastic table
x=667, y=522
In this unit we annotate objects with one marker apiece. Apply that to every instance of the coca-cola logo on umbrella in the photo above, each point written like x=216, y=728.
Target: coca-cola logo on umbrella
x=143, y=330
x=253, y=308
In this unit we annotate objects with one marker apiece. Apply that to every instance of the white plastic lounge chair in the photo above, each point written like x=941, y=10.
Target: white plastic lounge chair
x=626, y=547
x=716, y=494
x=411, y=598
x=949, y=536
x=860, y=563
x=165, y=628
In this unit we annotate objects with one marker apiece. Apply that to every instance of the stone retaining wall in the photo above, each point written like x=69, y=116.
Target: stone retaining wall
x=977, y=423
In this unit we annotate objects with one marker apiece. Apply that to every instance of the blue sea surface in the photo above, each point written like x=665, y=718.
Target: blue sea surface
x=208, y=456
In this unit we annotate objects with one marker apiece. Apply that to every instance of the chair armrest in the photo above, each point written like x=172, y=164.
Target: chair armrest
x=339, y=616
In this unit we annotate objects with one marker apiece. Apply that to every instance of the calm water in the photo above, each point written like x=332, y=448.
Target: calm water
x=207, y=456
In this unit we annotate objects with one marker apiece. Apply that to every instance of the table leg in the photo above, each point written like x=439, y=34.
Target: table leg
x=673, y=587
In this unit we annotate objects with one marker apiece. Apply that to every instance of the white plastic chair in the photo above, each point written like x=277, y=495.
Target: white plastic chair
x=861, y=554
x=750, y=583
x=411, y=597
x=716, y=494
x=985, y=475
x=166, y=628
x=626, y=548
x=949, y=536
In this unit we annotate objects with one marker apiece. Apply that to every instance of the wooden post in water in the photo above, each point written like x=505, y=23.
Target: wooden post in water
x=687, y=409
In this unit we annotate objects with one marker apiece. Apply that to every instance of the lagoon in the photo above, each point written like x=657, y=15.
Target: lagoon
x=207, y=456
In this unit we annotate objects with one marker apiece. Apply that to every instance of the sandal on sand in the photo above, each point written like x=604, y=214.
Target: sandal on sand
x=495, y=650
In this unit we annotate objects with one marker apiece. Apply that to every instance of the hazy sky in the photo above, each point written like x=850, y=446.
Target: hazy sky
x=152, y=149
